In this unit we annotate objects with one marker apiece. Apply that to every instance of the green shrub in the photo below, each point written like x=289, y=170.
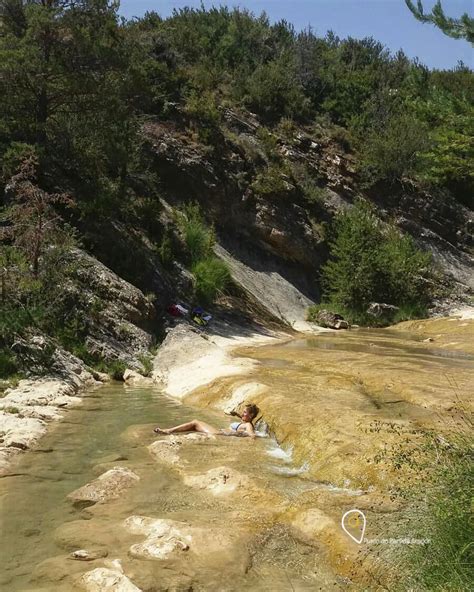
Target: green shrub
x=287, y=128
x=116, y=369
x=308, y=183
x=212, y=276
x=8, y=364
x=274, y=89
x=269, y=143
x=437, y=507
x=198, y=238
x=272, y=181
x=202, y=109
x=14, y=156
x=392, y=152
x=371, y=262
x=147, y=362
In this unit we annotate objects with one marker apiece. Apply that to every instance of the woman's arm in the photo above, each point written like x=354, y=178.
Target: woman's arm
x=250, y=430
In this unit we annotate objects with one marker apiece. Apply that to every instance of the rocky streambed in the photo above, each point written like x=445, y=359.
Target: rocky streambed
x=105, y=504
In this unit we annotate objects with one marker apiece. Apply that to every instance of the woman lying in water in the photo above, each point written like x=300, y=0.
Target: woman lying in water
x=237, y=428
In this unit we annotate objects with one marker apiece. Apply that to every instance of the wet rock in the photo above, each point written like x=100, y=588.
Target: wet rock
x=195, y=437
x=133, y=378
x=108, y=486
x=331, y=320
x=25, y=409
x=165, y=538
x=56, y=572
x=240, y=394
x=219, y=481
x=88, y=554
x=103, y=579
x=6, y=457
x=166, y=451
x=100, y=376
x=312, y=523
x=110, y=458
x=85, y=534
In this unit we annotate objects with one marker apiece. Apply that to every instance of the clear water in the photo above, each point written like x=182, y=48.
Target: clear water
x=112, y=427
x=330, y=381
x=33, y=496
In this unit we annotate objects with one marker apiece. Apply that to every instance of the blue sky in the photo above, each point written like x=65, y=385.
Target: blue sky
x=388, y=21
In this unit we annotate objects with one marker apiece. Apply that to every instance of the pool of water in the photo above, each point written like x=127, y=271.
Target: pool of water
x=112, y=427
x=331, y=401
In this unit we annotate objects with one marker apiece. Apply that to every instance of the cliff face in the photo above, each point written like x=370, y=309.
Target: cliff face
x=271, y=194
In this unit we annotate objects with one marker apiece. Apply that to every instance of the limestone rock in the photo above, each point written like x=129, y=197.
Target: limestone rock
x=88, y=554
x=56, y=572
x=165, y=538
x=25, y=409
x=108, y=486
x=240, y=394
x=103, y=579
x=165, y=451
x=20, y=432
x=118, y=327
x=219, y=481
x=43, y=412
x=187, y=359
x=331, y=320
x=377, y=309
x=133, y=378
x=39, y=354
x=312, y=523
x=279, y=294
x=85, y=534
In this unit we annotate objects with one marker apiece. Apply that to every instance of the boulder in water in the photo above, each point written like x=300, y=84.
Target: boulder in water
x=108, y=486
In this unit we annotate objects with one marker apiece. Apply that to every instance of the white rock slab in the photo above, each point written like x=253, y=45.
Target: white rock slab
x=103, y=579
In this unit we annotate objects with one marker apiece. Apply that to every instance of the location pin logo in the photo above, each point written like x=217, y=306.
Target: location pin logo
x=353, y=523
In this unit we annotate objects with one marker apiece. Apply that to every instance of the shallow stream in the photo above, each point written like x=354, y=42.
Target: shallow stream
x=321, y=390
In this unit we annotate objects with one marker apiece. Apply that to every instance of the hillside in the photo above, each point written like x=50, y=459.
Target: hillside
x=113, y=135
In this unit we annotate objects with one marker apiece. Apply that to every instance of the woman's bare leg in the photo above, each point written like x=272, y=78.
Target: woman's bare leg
x=191, y=426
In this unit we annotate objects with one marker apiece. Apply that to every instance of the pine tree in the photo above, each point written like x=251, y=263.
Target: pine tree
x=461, y=28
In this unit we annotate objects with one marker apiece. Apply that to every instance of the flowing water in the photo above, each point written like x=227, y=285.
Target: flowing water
x=322, y=393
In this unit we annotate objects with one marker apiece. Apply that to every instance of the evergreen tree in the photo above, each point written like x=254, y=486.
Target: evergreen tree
x=65, y=83
x=371, y=262
x=461, y=28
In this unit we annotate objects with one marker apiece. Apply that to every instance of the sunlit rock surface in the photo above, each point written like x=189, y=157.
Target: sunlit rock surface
x=103, y=579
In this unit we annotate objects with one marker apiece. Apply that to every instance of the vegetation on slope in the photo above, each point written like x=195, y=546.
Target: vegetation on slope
x=78, y=83
x=371, y=262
